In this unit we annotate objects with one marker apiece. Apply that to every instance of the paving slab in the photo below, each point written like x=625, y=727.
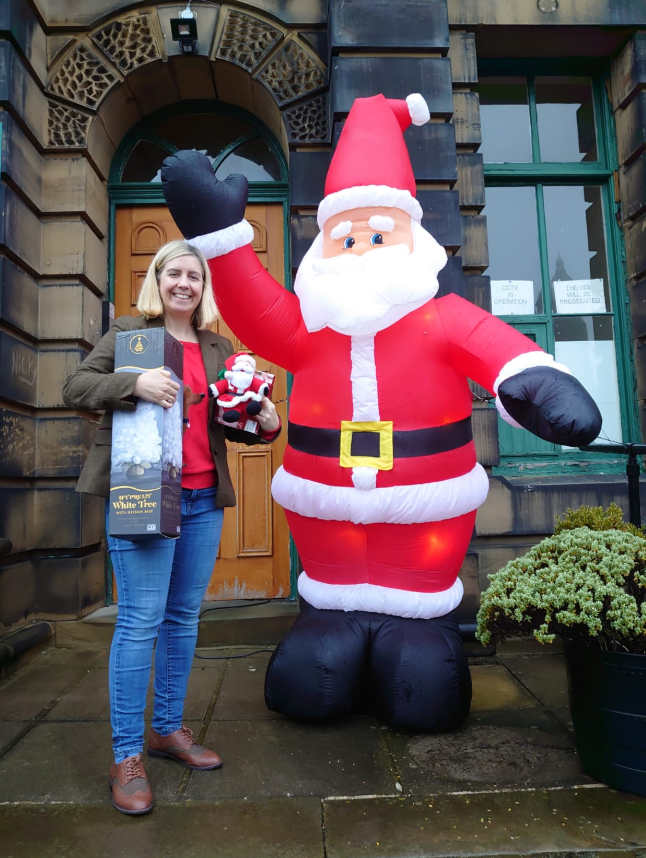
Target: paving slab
x=512, y=823
x=54, y=657
x=70, y=762
x=494, y=687
x=494, y=750
x=281, y=758
x=243, y=691
x=25, y=695
x=276, y=828
x=9, y=730
x=90, y=699
x=543, y=675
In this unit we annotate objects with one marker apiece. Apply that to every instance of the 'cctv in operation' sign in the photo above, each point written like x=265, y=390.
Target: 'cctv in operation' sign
x=512, y=297
x=579, y=296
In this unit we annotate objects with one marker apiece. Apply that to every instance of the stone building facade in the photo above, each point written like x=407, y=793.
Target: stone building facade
x=78, y=80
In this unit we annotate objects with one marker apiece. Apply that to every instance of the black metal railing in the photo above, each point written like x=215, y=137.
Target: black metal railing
x=632, y=472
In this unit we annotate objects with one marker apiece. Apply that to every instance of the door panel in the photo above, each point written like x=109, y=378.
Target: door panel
x=253, y=560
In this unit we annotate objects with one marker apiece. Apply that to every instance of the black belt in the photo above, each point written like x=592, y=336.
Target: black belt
x=406, y=444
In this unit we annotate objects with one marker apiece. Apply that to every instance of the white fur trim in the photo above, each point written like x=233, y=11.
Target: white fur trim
x=364, y=479
x=414, y=504
x=381, y=223
x=341, y=229
x=418, y=108
x=363, y=375
x=236, y=400
x=525, y=361
x=362, y=196
x=528, y=360
x=379, y=600
x=224, y=240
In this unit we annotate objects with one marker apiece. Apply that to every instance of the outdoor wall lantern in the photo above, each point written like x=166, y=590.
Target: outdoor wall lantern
x=184, y=30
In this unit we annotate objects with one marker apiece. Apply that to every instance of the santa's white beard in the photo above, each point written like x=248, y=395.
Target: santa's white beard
x=360, y=295
x=239, y=379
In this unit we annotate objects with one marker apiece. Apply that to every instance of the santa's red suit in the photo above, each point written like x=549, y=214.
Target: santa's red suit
x=232, y=397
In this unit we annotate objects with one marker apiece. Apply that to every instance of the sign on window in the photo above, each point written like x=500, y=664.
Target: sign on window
x=579, y=296
x=512, y=297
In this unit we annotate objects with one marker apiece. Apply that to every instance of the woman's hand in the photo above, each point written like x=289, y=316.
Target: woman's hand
x=157, y=386
x=268, y=418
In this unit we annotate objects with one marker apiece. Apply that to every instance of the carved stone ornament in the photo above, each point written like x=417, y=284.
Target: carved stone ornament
x=129, y=44
x=66, y=126
x=245, y=40
x=292, y=73
x=308, y=122
x=82, y=78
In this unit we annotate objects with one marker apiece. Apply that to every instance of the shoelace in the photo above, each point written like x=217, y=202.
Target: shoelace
x=134, y=768
x=188, y=734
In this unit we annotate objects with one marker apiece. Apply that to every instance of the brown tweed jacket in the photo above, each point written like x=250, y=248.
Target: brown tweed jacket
x=94, y=386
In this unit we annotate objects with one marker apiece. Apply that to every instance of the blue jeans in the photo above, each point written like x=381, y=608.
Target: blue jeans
x=161, y=583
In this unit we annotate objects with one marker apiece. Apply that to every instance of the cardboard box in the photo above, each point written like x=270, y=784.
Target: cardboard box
x=247, y=424
x=146, y=471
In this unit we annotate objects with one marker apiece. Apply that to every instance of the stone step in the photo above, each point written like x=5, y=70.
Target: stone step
x=221, y=624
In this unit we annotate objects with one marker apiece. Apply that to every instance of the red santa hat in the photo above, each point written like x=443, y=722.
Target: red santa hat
x=240, y=360
x=371, y=165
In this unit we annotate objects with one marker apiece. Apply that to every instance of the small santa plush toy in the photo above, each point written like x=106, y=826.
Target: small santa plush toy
x=239, y=391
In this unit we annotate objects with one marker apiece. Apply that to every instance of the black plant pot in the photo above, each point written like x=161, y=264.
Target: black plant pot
x=608, y=704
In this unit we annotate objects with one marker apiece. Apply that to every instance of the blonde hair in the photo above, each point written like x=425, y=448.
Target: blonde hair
x=149, y=302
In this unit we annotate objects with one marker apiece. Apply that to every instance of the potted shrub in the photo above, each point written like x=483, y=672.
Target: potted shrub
x=587, y=585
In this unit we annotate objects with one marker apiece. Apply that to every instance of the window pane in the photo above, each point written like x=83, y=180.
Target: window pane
x=253, y=159
x=144, y=163
x=577, y=249
x=565, y=119
x=514, y=260
x=585, y=344
x=204, y=132
x=504, y=115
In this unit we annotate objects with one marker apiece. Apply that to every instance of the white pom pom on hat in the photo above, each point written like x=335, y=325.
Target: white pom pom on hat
x=418, y=108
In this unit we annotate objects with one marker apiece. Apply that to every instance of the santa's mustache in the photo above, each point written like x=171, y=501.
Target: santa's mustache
x=373, y=260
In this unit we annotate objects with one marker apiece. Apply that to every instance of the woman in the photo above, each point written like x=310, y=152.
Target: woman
x=161, y=582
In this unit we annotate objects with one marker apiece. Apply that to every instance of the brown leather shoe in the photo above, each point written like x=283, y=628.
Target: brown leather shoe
x=181, y=746
x=129, y=786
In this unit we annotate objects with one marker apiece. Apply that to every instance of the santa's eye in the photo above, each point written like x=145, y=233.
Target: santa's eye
x=376, y=238
x=348, y=243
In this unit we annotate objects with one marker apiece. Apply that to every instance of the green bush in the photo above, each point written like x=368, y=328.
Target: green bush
x=585, y=585
x=596, y=518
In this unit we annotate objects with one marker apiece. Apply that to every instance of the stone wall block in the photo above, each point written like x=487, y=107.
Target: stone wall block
x=471, y=182
x=71, y=185
x=466, y=118
x=632, y=183
x=638, y=308
x=19, y=376
x=451, y=278
x=21, y=161
x=45, y=447
x=119, y=112
x=582, y=13
x=485, y=435
x=640, y=367
x=193, y=77
x=69, y=312
x=496, y=515
x=379, y=24
x=20, y=229
x=432, y=152
x=635, y=235
x=19, y=21
x=307, y=174
x=100, y=147
x=54, y=367
x=71, y=249
x=463, y=56
x=629, y=71
x=153, y=87
x=631, y=129
x=469, y=575
x=441, y=216
x=18, y=298
x=477, y=289
x=395, y=77
x=20, y=93
x=475, y=249
x=304, y=230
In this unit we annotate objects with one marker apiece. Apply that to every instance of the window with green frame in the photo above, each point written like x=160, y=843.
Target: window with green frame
x=554, y=246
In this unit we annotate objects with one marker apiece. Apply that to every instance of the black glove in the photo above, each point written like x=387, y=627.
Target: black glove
x=553, y=405
x=200, y=203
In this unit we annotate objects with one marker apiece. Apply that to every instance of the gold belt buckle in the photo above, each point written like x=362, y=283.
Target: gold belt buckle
x=382, y=462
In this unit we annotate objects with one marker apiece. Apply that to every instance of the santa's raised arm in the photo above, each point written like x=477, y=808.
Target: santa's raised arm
x=379, y=482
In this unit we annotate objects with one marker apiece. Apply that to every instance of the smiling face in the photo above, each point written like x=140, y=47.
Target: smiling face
x=180, y=286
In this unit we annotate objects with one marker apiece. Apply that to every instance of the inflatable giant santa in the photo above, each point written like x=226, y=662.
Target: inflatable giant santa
x=379, y=482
